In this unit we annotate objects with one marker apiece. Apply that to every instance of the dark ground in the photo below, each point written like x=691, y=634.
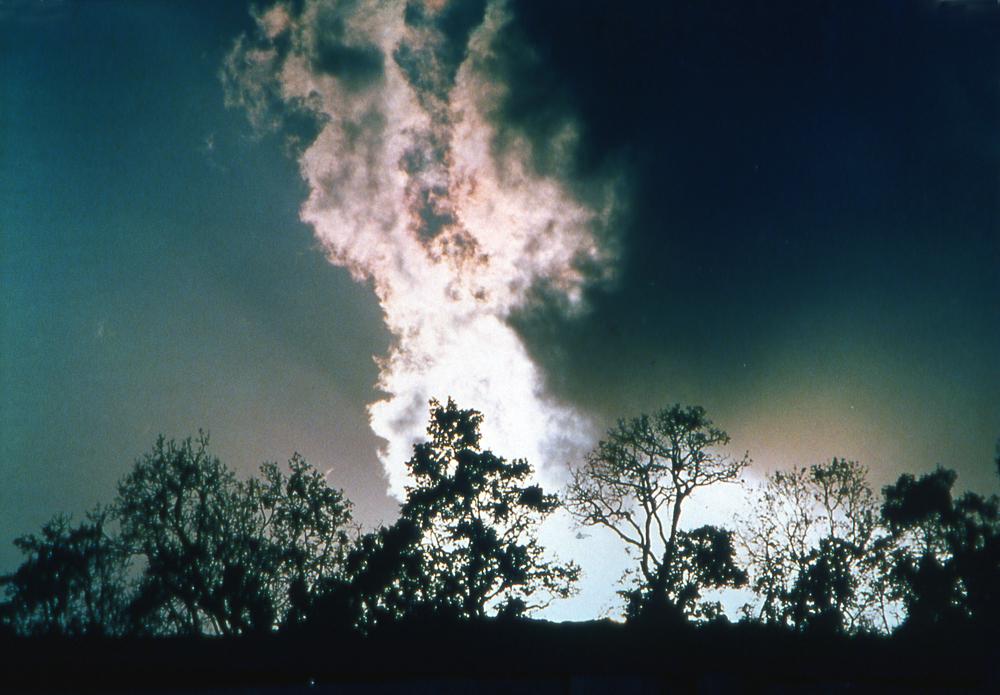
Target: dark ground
x=502, y=657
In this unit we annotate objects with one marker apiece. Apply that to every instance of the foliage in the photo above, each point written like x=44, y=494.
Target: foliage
x=180, y=509
x=704, y=558
x=384, y=580
x=635, y=483
x=73, y=581
x=816, y=550
x=996, y=457
x=947, y=564
x=303, y=523
x=224, y=557
x=187, y=548
x=465, y=544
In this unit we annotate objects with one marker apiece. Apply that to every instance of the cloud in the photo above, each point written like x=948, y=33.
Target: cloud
x=416, y=187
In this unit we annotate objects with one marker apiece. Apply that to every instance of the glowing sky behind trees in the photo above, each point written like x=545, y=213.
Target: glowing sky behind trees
x=558, y=213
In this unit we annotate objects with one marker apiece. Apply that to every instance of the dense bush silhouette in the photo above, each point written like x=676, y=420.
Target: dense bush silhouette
x=704, y=558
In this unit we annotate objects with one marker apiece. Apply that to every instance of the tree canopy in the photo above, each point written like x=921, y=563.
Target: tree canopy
x=189, y=548
x=465, y=544
x=180, y=510
x=816, y=549
x=635, y=483
x=72, y=582
x=222, y=556
x=946, y=565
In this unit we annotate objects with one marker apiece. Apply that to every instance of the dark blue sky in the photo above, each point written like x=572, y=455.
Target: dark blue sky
x=813, y=250
x=810, y=241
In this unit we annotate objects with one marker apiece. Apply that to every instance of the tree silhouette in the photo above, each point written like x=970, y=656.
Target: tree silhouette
x=180, y=509
x=223, y=557
x=636, y=482
x=817, y=553
x=947, y=565
x=996, y=457
x=186, y=548
x=465, y=544
x=384, y=581
x=704, y=558
x=303, y=523
x=73, y=581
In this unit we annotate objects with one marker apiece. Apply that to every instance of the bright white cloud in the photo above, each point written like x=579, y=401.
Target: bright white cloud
x=409, y=191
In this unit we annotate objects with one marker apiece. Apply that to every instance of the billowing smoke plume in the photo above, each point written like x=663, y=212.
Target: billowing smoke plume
x=411, y=189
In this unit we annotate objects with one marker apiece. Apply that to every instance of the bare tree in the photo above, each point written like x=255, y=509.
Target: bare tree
x=636, y=481
x=816, y=550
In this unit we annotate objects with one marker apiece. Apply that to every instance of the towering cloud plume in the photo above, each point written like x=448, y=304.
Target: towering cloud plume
x=412, y=190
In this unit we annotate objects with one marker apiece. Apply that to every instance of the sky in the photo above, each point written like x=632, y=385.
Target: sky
x=294, y=223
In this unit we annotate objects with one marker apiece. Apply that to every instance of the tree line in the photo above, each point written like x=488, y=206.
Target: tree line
x=187, y=548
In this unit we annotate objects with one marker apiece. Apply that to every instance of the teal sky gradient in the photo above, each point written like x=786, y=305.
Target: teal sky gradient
x=155, y=275
x=824, y=281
